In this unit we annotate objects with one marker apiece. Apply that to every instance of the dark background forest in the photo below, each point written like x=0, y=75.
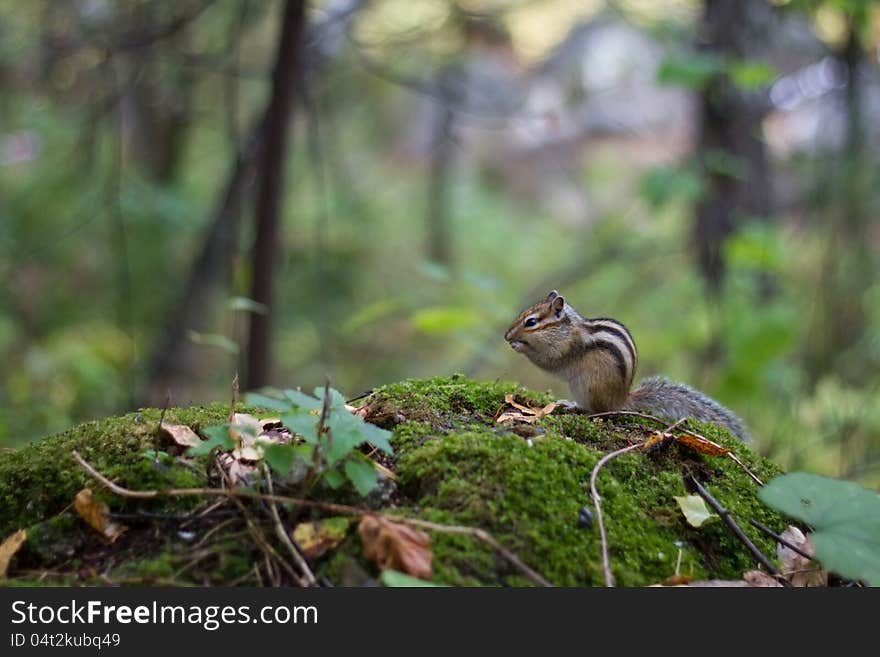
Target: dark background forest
x=372, y=190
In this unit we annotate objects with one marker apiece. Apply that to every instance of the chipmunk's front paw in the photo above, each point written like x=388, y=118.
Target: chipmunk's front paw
x=567, y=406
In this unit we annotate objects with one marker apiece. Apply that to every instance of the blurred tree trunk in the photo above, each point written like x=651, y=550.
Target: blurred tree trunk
x=730, y=148
x=439, y=246
x=172, y=360
x=270, y=178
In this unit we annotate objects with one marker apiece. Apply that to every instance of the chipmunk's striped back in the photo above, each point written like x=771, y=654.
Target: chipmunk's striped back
x=613, y=337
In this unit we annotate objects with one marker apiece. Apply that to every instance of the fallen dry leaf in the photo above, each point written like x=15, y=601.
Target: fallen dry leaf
x=701, y=445
x=760, y=579
x=180, y=434
x=796, y=568
x=94, y=512
x=8, y=548
x=392, y=545
x=317, y=538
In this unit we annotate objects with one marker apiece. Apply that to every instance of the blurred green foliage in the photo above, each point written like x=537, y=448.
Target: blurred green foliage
x=358, y=301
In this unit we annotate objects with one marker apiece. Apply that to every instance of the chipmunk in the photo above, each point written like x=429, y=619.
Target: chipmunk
x=598, y=358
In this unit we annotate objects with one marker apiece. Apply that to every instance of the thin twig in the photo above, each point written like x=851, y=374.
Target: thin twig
x=482, y=535
x=269, y=552
x=342, y=509
x=779, y=539
x=731, y=523
x=606, y=566
x=733, y=457
x=285, y=538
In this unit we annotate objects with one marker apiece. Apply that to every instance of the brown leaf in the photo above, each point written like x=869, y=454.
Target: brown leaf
x=180, y=434
x=8, y=549
x=317, y=538
x=392, y=545
x=796, y=568
x=94, y=512
x=677, y=580
x=760, y=579
x=701, y=444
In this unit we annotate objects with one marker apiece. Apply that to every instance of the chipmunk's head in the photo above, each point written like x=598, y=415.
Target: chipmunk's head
x=542, y=331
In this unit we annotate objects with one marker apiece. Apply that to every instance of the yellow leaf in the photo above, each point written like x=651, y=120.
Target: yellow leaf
x=8, y=549
x=94, y=512
x=694, y=509
x=317, y=538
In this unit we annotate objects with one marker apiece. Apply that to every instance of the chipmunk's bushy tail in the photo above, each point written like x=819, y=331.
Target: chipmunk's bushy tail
x=660, y=396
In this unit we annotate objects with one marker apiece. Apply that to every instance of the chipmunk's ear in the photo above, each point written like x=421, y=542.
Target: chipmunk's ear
x=558, y=304
x=553, y=294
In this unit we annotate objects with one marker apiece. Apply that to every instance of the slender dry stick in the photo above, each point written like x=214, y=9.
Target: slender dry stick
x=479, y=534
x=731, y=523
x=779, y=539
x=341, y=509
x=733, y=457
x=285, y=538
x=269, y=552
x=606, y=565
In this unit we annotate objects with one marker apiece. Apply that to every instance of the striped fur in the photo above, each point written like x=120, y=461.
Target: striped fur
x=598, y=358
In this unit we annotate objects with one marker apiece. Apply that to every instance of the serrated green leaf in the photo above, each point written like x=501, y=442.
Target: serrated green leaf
x=361, y=474
x=336, y=398
x=264, y=401
x=343, y=440
x=694, y=509
x=218, y=436
x=398, y=579
x=280, y=457
x=302, y=400
x=303, y=423
x=846, y=518
x=333, y=478
x=378, y=437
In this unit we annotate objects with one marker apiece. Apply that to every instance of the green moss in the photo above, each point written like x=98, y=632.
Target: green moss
x=443, y=401
x=454, y=464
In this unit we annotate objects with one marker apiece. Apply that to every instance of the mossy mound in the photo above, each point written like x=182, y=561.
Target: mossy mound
x=525, y=485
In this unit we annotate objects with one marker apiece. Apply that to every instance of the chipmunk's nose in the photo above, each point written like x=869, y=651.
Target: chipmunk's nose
x=509, y=335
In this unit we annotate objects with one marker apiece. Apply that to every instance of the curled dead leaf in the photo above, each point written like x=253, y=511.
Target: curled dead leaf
x=701, y=444
x=8, y=549
x=94, y=512
x=180, y=434
x=798, y=569
x=395, y=546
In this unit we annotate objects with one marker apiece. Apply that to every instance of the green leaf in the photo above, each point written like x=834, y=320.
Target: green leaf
x=264, y=401
x=398, y=579
x=362, y=474
x=336, y=398
x=661, y=185
x=751, y=75
x=846, y=518
x=303, y=423
x=377, y=437
x=344, y=438
x=213, y=340
x=694, y=509
x=445, y=319
x=281, y=457
x=693, y=70
x=334, y=478
x=218, y=436
x=302, y=400
x=248, y=305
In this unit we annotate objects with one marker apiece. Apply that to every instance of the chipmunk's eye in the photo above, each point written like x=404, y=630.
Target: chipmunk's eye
x=531, y=321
